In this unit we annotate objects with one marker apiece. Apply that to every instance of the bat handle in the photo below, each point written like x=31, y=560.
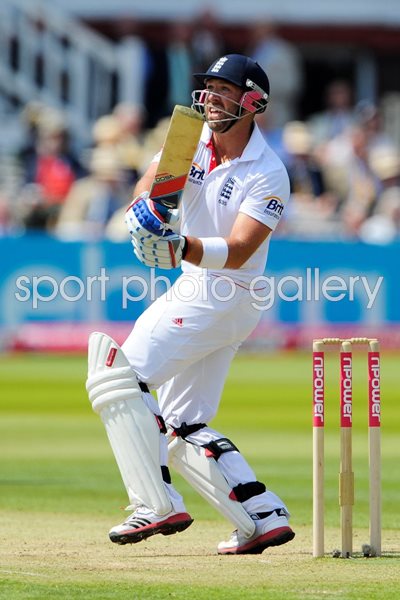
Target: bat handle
x=169, y=215
x=173, y=217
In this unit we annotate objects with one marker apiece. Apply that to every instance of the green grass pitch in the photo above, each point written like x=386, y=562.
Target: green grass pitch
x=60, y=490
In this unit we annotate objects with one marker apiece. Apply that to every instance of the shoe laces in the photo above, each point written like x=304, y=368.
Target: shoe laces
x=140, y=511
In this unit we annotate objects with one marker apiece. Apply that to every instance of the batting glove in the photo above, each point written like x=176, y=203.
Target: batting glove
x=147, y=219
x=164, y=252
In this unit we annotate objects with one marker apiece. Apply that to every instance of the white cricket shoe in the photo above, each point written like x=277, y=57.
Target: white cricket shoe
x=143, y=523
x=272, y=529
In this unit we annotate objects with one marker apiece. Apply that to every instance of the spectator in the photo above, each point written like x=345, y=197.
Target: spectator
x=157, y=81
x=383, y=226
x=312, y=208
x=337, y=116
x=106, y=131
x=30, y=117
x=206, y=41
x=305, y=175
x=385, y=163
x=51, y=167
x=337, y=153
x=180, y=65
x=369, y=118
x=129, y=143
x=282, y=62
x=344, y=152
x=153, y=141
x=93, y=200
x=361, y=186
x=131, y=119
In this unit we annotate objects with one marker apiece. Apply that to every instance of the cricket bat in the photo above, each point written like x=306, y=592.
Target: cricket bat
x=177, y=156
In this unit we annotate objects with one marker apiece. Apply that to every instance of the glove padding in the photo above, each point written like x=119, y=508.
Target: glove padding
x=146, y=219
x=163, y=252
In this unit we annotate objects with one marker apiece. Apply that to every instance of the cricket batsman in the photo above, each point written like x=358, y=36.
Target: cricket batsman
x=183, y=344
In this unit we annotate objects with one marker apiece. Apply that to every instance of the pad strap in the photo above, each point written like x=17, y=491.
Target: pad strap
x=161, y=424
x=263, y=515
x=184, y=430
x=166, y=475
x=160, y=421
x=215, y=448
x=144, y=387
x=244, y=491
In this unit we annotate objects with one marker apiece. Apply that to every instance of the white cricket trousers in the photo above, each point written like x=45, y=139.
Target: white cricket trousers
x=183, y=344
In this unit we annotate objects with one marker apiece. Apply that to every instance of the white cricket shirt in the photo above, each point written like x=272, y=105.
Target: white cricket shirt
x=256, y=183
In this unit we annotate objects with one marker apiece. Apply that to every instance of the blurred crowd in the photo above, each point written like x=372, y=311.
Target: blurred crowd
x=76, y=195
x=343, y=164
x=344, y=170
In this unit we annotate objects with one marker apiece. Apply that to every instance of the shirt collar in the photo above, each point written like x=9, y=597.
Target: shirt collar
x=253, y=149
x=255, y=145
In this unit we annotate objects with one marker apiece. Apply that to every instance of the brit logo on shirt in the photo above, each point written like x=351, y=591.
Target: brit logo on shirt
x=226, y=191
x=274, y=207
x=196, y=174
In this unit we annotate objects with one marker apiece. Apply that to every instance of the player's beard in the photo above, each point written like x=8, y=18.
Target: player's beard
x=218, y=126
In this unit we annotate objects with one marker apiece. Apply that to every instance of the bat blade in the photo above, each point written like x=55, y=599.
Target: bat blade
x=177, y=155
